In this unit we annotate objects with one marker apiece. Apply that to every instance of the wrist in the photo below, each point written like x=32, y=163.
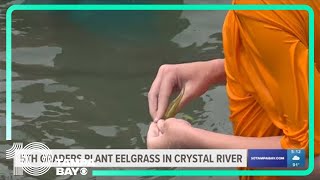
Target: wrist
x=216, y=74
x=187, y=139
x=195, y=138
x=203, y=139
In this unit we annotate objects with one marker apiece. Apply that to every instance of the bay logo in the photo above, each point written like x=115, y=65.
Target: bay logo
x=71, y=171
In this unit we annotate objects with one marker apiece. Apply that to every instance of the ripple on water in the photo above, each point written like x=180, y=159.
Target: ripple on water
x=107, y=131
x=42, y=55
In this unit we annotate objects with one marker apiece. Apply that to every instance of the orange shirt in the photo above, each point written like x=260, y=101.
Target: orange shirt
x=266, y=61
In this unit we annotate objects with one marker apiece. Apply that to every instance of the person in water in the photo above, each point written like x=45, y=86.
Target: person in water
x=265, y=71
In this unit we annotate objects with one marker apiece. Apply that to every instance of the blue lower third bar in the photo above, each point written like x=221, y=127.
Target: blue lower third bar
x=275, y=158
x=267, y=158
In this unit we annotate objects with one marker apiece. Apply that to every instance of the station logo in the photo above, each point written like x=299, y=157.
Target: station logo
x=36, y=159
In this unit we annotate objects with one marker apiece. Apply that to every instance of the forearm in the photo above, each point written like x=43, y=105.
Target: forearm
x=199, y=138
x=217, y=74
x=205, y=139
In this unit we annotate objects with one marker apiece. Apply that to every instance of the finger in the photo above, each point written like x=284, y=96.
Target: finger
x=153, y=94
x=153, y=130
x=160, y=125
x=164, y=94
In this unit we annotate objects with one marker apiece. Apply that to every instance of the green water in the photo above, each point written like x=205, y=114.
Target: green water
x=80, y=79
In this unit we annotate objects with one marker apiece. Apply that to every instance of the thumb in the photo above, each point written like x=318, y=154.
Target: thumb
x=153, y=130
x=160, y=125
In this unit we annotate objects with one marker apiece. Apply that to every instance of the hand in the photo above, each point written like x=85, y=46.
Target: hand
x=171, y=133
x=195, y=77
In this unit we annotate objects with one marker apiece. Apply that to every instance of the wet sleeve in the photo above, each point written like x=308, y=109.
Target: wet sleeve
x=279, y=64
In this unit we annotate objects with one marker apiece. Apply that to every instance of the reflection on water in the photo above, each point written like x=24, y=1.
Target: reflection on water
x=80, y=79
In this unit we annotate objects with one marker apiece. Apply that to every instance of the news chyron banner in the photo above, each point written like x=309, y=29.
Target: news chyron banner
x=36, y=158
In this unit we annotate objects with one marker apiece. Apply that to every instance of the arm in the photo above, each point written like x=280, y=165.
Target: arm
x=199, y=138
